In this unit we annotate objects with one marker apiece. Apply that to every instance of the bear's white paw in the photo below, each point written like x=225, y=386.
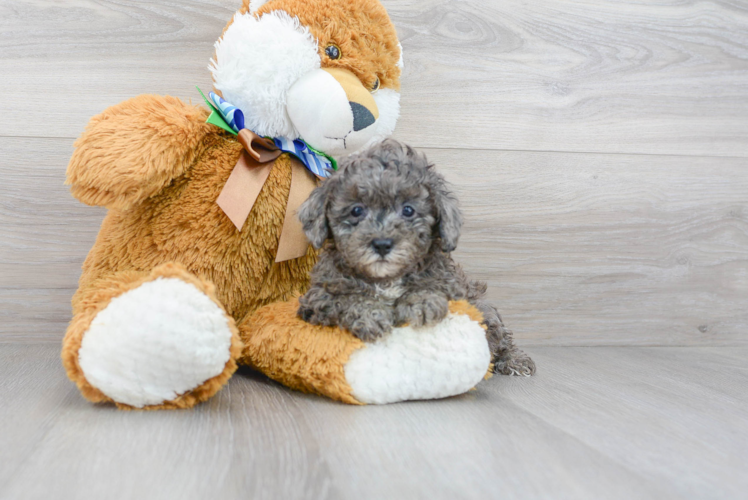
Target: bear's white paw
x=431, y=362
x=155, y=342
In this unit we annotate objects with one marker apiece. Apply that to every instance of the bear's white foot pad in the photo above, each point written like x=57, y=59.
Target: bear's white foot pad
x=155, y=342
x=443, y=360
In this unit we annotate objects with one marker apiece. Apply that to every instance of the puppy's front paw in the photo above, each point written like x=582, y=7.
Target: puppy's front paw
x=311, y=315
x=316, y=307
x=420, y=309
x=368, y=324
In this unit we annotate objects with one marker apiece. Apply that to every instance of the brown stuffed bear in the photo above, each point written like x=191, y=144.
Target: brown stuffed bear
x=173, y=271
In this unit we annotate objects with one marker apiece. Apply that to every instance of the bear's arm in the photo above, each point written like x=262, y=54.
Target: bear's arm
x=133, y=150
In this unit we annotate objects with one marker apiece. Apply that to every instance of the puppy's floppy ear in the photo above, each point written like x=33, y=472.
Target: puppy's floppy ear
x=449, y=217
x=450, y=220
x=313, y=213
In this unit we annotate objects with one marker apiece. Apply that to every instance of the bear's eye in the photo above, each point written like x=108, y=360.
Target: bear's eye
x=357, y=211
x=375, y=87
x=333, y=52
x=408, y=211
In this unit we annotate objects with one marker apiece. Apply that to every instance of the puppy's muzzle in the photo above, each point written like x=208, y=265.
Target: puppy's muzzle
x=382, y=246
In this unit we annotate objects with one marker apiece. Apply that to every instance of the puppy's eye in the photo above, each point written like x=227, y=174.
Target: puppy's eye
x=375, y=87
x=357, y=211
x=408, y=211
x=333, y=52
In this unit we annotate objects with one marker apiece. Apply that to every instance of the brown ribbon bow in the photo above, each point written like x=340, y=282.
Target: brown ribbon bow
x=245, y=183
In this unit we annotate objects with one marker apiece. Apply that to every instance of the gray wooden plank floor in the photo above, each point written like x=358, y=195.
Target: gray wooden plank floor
x=597, y=422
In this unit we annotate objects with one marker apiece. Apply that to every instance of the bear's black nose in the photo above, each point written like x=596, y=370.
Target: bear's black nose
x=362, y=117
x=382, y=245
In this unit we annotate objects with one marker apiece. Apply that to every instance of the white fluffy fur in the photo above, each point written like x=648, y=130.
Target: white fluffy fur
x=155, y=342
x=257, y=61
x=420, y=363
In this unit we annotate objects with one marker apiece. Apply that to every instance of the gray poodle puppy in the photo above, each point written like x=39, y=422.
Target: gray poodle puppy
x=388, y=224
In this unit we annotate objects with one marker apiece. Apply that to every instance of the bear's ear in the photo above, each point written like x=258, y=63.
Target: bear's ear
x=313, y=213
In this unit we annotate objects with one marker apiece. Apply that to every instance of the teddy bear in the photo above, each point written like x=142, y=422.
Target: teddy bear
x=201, y=249
x=170, y=275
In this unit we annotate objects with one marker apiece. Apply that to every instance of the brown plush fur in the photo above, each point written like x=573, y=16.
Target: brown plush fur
x=170, y=216
x=182, y=223
x=134, y=149
x=361, y=28
x=115, y=285
x=306, y=357
x=301, y=356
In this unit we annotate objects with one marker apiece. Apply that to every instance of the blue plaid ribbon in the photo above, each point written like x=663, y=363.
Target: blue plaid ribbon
x=317, y=163
x=233, y=115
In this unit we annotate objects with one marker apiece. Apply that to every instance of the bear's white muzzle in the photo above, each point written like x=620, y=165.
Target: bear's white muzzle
x=332, y=111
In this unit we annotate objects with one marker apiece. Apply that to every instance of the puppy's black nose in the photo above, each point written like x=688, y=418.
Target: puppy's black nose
x=362, y=117
x=382, y=245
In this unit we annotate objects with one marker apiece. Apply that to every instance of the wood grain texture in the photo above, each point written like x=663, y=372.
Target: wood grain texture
x=588, y=76
x=578, y=249
x=585, y=249
x=594, y=423
x=46, y=233
x=592, y=76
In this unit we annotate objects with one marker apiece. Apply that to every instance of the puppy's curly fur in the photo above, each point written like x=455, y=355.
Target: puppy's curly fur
x=388, y=223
